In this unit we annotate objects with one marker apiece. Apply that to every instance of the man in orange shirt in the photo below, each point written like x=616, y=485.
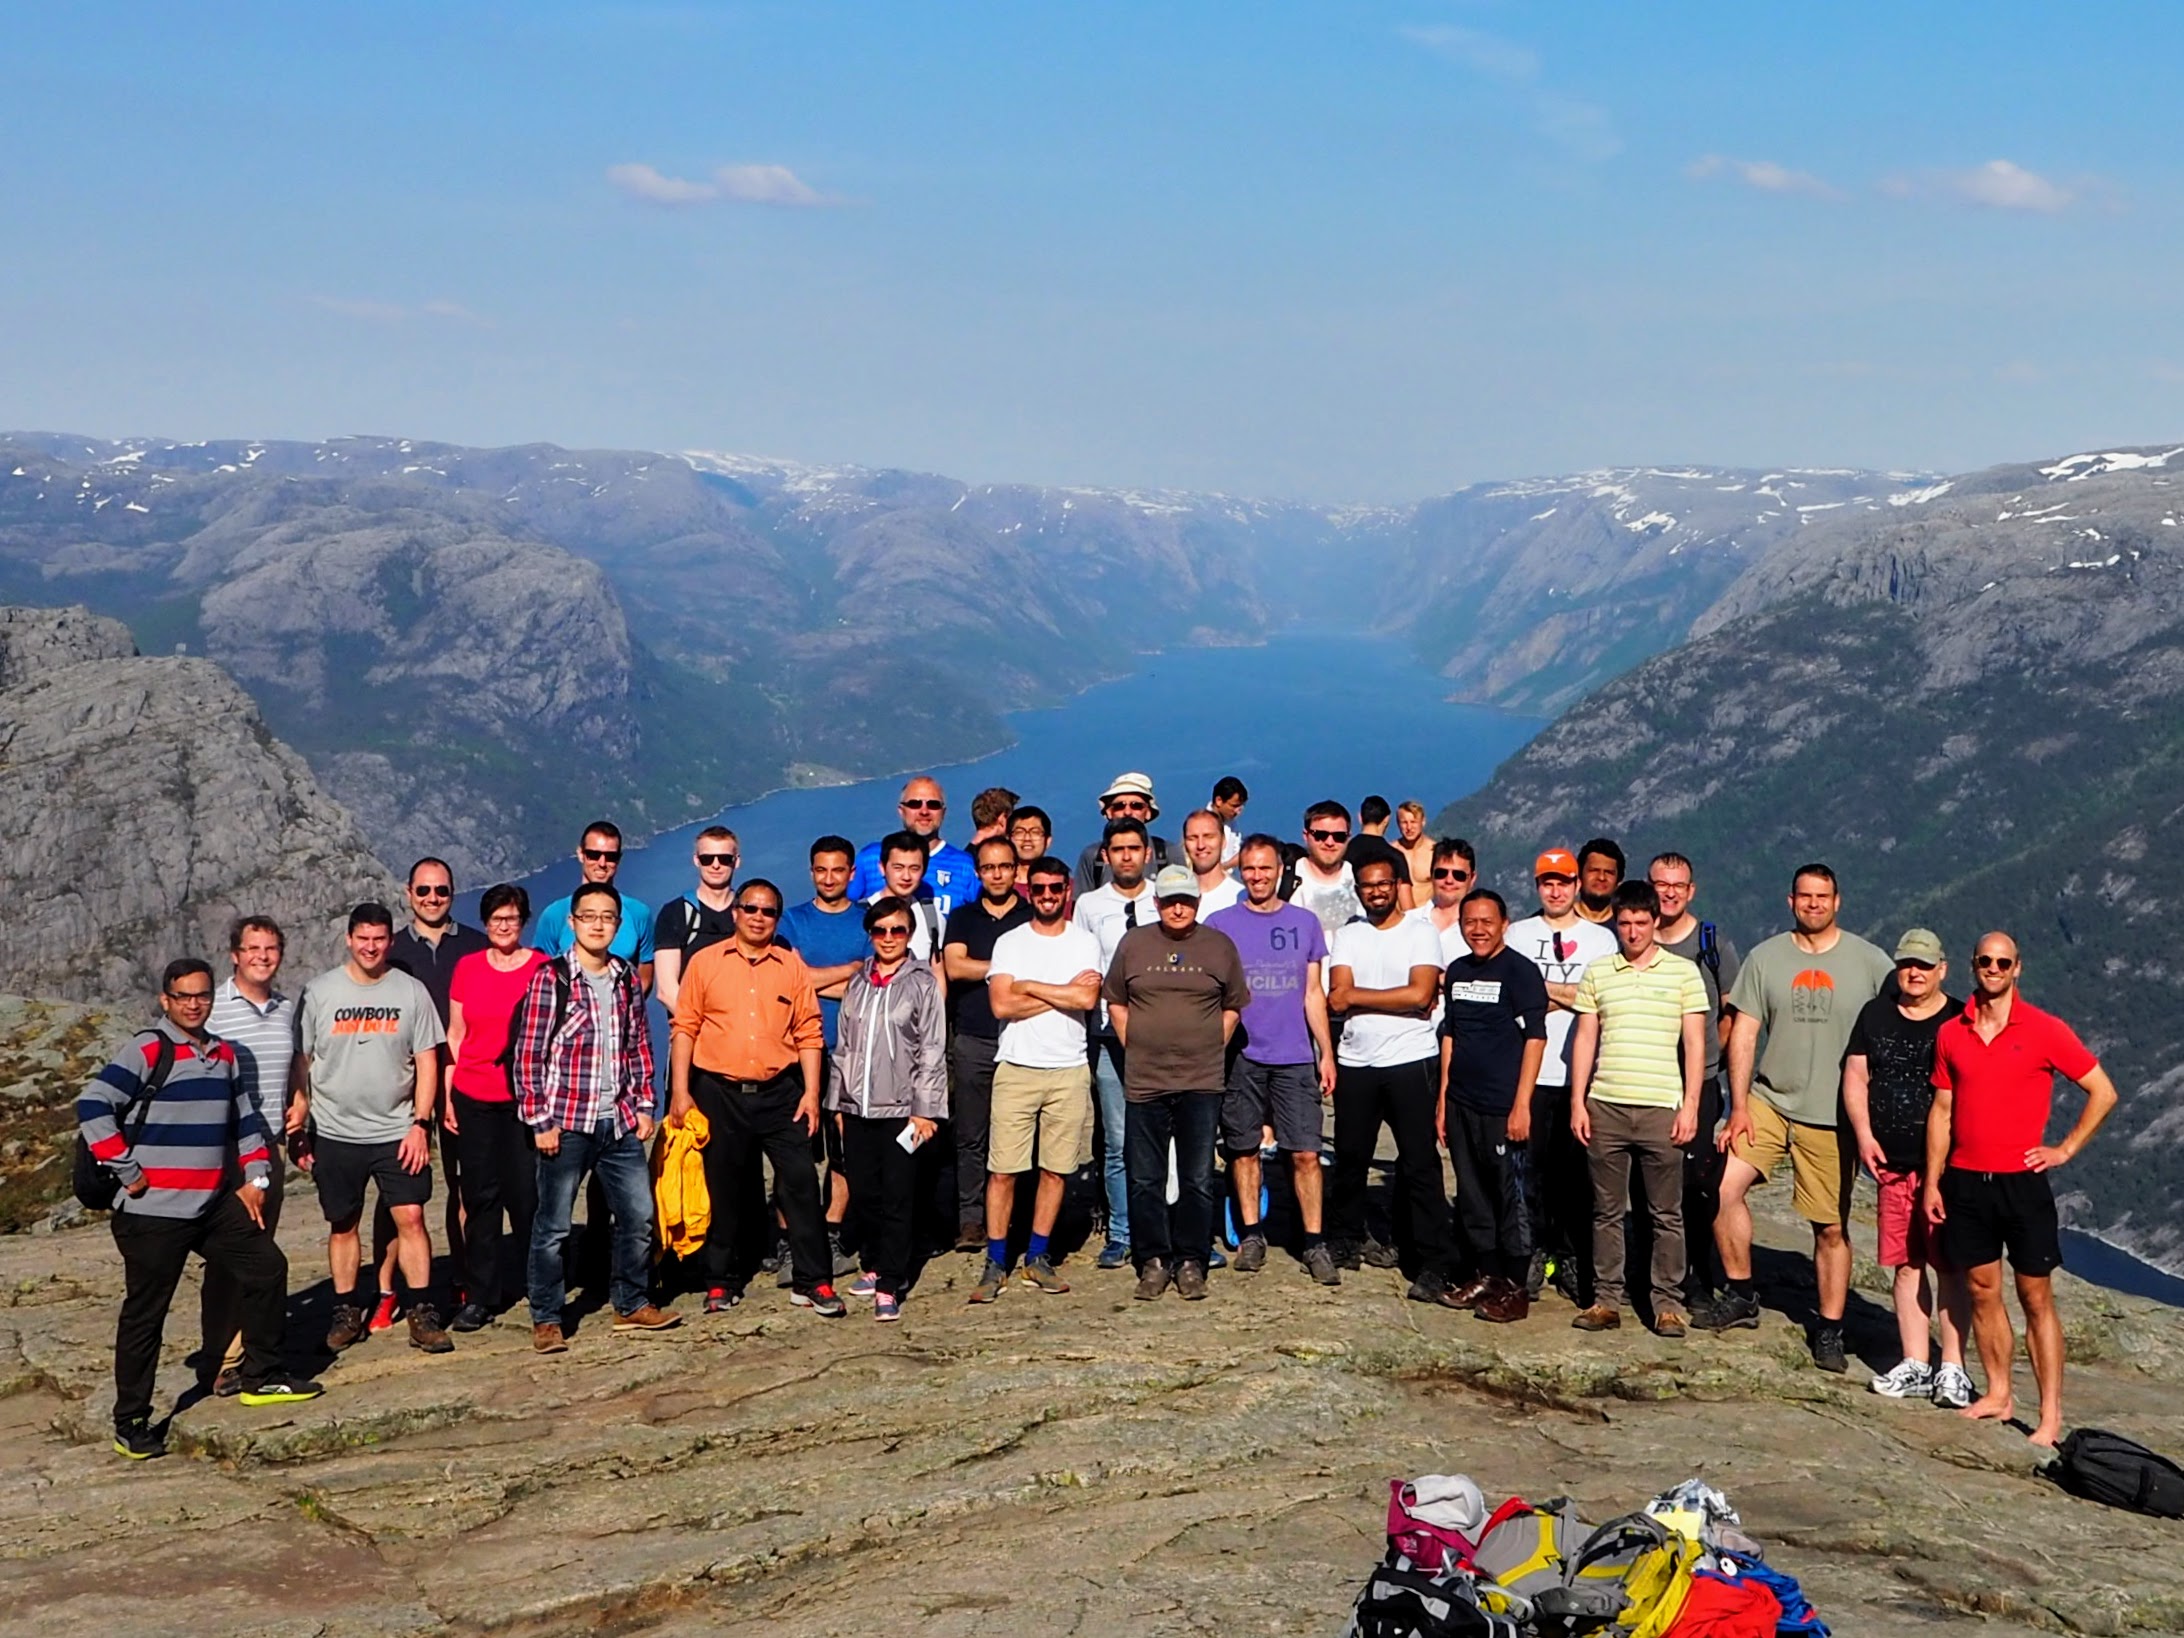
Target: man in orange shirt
x=745, y=1051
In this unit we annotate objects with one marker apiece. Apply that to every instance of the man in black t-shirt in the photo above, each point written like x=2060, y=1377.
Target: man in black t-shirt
x=1493, y=1036
x=974, y=1034
x=1371, y=843
x=691, y=921
x=1888, y=1087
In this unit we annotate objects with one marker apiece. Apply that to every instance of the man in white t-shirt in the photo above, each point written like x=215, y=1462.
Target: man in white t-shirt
x=1122, y=901
x=1324, y=882
x=1384, y=975
x=1043, y=979
x=1202, y=841
x=1562, y=944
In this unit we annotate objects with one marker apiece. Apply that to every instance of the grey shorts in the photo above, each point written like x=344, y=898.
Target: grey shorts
x=1286, y=1096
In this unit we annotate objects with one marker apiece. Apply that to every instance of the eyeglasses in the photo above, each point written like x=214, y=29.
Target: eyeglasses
x=186, y=997
x=601, y=855
x=505, y=923
x=2000, y=964
x=1451, y=875
x=890, y=932
x=432, y=892
x=757, y=909
x=597, y=918
x=925, y=804
x=731, y=860
x=1328, y=835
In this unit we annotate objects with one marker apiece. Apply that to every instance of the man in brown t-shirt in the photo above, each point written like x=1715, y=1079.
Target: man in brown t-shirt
x=1173, y=991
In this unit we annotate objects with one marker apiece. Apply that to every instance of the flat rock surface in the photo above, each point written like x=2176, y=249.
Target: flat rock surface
x=1081, y=1463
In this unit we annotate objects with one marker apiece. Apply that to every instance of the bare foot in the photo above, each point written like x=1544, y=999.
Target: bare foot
x=1989, y=1408
x=2048, y=1434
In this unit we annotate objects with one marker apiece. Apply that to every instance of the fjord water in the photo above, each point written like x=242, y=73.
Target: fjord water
x=1306, y=715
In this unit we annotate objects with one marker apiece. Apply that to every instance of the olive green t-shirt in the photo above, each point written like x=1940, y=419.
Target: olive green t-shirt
x=1807, y=1004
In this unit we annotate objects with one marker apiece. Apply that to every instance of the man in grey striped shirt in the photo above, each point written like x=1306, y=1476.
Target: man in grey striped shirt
x=260, y=1024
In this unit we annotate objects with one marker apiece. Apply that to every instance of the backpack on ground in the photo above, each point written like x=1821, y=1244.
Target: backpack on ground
x=1798, y=1618
x=95, y=1184
x=1630, y=1578
x=1726, y=1603
x=1433, y=1541
x=1524, y=1550
x=2118, y=1472
x=1400, y=1602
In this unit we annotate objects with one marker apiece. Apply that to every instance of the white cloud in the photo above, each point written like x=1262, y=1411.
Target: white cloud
x=1997, y=185
x=737, y=184
x=1763, y=174
x=1583, y=130
x=389, y=312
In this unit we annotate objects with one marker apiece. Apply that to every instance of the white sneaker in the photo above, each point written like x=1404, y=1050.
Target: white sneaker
x=1913, y=1378
x=1952, y=1387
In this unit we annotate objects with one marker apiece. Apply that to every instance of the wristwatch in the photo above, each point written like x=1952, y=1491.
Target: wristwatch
x=422, y=1124
x=261, y=1182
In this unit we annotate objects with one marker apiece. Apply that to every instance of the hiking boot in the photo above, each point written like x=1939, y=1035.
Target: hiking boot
x=137, y=1441
x=1429, y=1287
x=1505, y=1305
x=470, y=1317
x=389, y=1310
x=1911, y=1379
x=228, y=1383
x=1250, y=1252
x=282, y=1390
x=1827, y=1348
x=1375, y=1255
x=777, y=1259
x=1535, y=1275
x=1599, y=1317
x=1346, y=1254
x=1952, y=1387
x=1038, y=1273
x=1152, y=1279
x=1669, y=1323
x=348, y=1327
x=1319, y=1262
x=647, y=1318
x=426, y=1333
x=547, y=1339
x=1114, y=1254
x=720, y=1299
x=844, y=1262
x=971, y=1234
x=821, y=1300
x=989, y=1284
x=1463, y=1296
x=1562, y=1275
x=1728, y=1312
x=1190, y=1281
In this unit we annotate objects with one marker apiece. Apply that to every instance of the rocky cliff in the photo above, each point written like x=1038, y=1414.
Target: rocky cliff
x=146, y=805
x=1973, y=707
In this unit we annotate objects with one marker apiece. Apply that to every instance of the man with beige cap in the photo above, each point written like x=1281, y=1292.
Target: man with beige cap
x=1128, y=796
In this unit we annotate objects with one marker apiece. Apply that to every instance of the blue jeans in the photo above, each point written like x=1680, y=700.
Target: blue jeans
x=619, y=1164
x=1182, y=1233
x=1114, y=1166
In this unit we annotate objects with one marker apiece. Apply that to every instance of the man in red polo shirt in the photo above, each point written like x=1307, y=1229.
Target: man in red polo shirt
x=1995, y=1065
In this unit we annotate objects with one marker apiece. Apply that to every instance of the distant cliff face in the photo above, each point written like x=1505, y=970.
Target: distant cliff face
x=146, y=806
x=1973, y=708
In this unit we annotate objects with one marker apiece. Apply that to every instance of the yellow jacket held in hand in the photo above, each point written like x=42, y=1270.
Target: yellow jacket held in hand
x=684, y=1209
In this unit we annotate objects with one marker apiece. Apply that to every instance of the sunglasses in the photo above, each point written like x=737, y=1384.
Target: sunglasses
x=1048, y=890
x=1328, y=835
x=758, y=909
x=1452, y=875
x=1920, y=966
x=431, y=892
x=601, y=855
x=728, y=859
x=2000, y=964
x=890, y=932
x=923, y=804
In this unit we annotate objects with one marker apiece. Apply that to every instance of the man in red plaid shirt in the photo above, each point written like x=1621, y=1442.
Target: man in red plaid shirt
x=583, y=1083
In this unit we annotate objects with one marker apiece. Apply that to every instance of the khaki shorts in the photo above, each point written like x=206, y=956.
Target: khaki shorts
x=1049, y=1108
x=1820, y=1169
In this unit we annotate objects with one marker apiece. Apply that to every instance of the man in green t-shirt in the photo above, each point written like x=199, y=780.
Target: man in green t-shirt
x=1804, y=990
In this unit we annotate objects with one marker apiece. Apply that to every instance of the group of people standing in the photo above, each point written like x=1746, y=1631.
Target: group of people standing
x=936, y=1024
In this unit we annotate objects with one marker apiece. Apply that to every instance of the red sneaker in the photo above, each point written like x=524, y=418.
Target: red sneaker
x=388, y=1311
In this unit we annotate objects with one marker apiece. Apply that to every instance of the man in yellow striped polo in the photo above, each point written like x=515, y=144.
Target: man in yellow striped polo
x=1637, y=1060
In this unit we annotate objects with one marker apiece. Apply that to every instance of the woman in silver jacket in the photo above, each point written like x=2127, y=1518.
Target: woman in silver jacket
x=888, y=1078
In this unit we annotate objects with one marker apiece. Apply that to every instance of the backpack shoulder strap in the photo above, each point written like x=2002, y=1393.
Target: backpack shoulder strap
x=164, y=1053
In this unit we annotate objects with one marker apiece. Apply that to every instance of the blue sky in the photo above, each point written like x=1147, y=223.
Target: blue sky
x=1341, y=252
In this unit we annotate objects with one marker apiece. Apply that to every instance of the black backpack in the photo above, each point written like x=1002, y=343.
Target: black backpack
x=96, y=1186
x=2118, y=1472
x=559, y=967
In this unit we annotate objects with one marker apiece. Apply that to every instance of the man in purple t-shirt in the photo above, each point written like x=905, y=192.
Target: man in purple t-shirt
x=1282, y=1063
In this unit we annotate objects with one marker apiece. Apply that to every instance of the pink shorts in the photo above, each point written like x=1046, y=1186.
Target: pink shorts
x=1903, y=1219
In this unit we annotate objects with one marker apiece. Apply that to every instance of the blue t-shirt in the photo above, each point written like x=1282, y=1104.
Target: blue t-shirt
x=826, y=939
x=632, y=940
x=1276, y=947
x=950, y=872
